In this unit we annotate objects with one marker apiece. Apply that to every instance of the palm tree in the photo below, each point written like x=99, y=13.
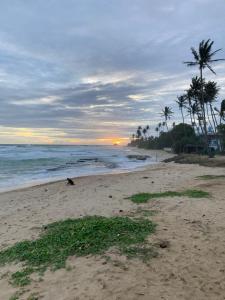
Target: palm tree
x=211, y=91
x=144, y=131
x=189, y=99
x=195, y=88
x=194, y=110
x=167, y=113
x=181, y=101
x=194, y=97
x=147, y=129
x=160, y=127
x=138, y=133
x=221, y=111
x=203, y=58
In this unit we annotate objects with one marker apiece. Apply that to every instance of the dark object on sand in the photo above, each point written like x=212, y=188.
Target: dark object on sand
x=110, y=196
x=145, y=177
x=164, y=244
x=70, y=181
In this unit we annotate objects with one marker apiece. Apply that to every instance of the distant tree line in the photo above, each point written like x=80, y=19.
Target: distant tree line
x=203, y=115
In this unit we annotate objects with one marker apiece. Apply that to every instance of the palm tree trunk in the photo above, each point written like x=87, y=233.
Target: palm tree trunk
x=182, y=113
x=203, y=111
x=210, y=123
x=189, y=102
x=166, y=123
x=199, y=123
x=195, y=123
x=213, y=117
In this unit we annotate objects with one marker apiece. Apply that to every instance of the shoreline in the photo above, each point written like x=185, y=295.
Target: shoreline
x=160, y=155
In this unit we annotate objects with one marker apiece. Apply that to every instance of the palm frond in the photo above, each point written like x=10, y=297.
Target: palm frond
x=210, y=68
x=194, y=52
x=190, y=63
x=215, y=60
x=213, y=53
x=203, y=57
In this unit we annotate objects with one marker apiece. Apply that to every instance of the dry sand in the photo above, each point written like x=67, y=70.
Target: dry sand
x=192, y=267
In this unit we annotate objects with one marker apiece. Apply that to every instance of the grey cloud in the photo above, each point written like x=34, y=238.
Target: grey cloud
x=49, y=48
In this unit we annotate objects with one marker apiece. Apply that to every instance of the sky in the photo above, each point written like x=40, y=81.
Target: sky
x=91, y=71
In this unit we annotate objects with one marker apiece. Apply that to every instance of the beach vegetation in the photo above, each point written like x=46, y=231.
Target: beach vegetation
x=21, y=278
x=14, y=297
x=91, y=235
x=145, y=197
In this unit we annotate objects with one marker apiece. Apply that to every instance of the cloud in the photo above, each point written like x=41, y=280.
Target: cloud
x=88, y=69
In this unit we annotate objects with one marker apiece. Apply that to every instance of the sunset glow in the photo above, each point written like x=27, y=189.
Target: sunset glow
x=93, y=73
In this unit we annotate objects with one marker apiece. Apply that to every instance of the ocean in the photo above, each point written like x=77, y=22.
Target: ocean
x=23, y=165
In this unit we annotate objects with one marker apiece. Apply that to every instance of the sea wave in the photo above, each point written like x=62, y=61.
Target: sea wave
x=20, y=164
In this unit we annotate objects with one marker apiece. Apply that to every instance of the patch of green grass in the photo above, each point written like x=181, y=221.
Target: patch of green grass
x=21, y=278
x=14, y=297
x=33, y=297
x=145, y=197
x=195, y=194
x=17, y=295
x=81, y=237
x=210, y=177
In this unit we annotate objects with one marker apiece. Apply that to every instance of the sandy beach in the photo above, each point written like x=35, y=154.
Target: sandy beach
x=191, y=267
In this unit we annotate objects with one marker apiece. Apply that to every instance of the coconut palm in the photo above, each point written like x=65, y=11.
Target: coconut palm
x=221, y=111
x=203, y=58
x=163, y=126
x=147, y=129
x=195, y=88
x=194, y=110
x=189, y=98
x=167, y=113
x=144, y=131
x=181, y=101
x=211, y=91
x=159, y=127
x=138, y=132
x=194, y=97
